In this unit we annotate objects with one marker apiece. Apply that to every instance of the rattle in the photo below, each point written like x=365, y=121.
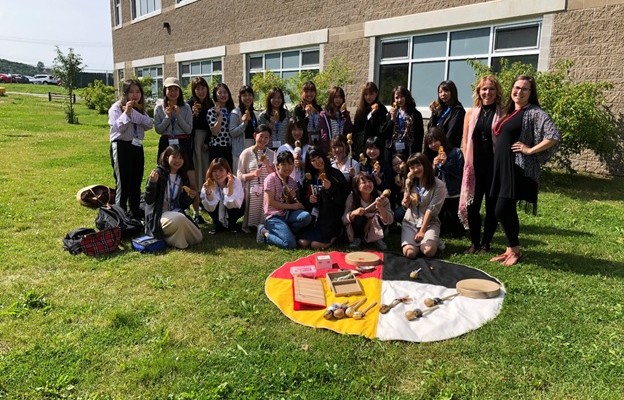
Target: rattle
x=353, y=308
x=362, y=158
x=384, y=308
x=329, y=313
x=362, y=314
x=186, y=189
x=376, y=166
x=417, y=313
x=429, y=302
x=440, y=150
x=322, y=176
x=371, y=207
x=414, y=274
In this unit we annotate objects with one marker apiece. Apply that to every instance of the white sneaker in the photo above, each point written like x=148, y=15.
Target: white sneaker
x=381, y=245
x=260, y=235
x=356, y=243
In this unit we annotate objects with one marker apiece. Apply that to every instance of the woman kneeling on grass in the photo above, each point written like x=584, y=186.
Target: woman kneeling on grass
x=361, y=223
x=423, y=200
x=167, y=195
x=285, y=215
x=222, y=196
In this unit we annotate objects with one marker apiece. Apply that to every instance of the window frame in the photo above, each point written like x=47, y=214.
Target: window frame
x=280, y=71
x=208, y=77
x=158, y=79
x=139, y=15
x=117, y=17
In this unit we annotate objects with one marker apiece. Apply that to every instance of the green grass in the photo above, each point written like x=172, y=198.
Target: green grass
x=31, y=88
x=196, y=324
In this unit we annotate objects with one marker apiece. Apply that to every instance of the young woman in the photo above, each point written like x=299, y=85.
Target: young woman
x=397, y=185
x=323, y=195
x=243, y=122
x=167, y=195
x=297, y=145
x=343, y=158
x=220, y=143
x=403, y=130
x=370, y=116
x=200, y=102
x=309, y=110
x=448, y=166
x=371, y=163
x=367, y=213
x=284, y=214
x=222, y=196
x=335, y=118
x=423, y=199
x=275, y=116
x=173, y=119
x=254, y=165
x=448, y=113
x=128, y=123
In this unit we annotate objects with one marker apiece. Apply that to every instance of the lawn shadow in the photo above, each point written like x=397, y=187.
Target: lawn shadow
x=583, y=187
x=575, y=263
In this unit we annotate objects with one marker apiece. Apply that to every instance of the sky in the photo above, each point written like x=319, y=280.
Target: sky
x=29, y=30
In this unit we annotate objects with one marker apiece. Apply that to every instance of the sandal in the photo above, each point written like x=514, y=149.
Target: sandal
x=485, y=248
x=512, y=259
x=500, y=258
x=471, y=250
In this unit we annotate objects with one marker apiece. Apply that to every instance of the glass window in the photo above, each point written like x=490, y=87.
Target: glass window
x=216, y=65
x=144, y=7
x=290, y=59
x=210, y=70
x=155, y=72
x=255, y=63
x=117, y=12
x=284, y=63
x=272, y=62
x=310, y=57
x=443, y=55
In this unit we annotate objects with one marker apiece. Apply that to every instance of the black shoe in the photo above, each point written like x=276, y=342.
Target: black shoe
x=198, y=219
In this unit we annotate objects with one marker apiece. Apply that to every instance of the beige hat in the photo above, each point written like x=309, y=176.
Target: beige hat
x=172, y=82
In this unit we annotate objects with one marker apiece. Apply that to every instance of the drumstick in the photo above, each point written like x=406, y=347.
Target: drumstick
x=414, y=274
x=418, y=313
x=387, y=307
x=386, y=193
x=351, y=310
x=429, y=302
x=362, y=314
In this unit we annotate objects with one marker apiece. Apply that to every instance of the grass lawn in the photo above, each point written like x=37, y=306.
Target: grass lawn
x=196, y=324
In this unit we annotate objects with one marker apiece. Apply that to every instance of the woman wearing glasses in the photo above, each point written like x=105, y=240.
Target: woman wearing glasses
x=526, y=137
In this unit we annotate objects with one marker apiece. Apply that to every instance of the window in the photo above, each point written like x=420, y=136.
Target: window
x=141, y=8
x=156, y=73
x=117, y=12
x=208, y=69
x=285, y=63
x=120, y=78
x=422, y=61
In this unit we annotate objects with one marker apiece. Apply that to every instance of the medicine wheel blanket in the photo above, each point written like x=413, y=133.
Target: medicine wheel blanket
x=389, y=281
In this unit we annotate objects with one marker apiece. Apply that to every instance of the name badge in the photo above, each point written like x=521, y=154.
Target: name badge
x=399, y=146
x=137, y=142
x=174, y=142
x=315, y=138
x=315, y=212
x=277, y=143
x=257, y=190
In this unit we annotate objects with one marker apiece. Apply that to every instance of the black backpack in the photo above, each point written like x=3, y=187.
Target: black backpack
x=73, y=240
x=113, y=215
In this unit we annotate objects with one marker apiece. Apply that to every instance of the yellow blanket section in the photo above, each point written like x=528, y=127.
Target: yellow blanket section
x=280, y=292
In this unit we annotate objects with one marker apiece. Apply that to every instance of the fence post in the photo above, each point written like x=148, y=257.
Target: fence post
x=49, y=96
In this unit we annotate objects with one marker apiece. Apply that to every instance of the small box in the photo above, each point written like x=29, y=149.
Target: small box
x=308, y=291
x=323, y=262
x=343, y=283
x=306, y=271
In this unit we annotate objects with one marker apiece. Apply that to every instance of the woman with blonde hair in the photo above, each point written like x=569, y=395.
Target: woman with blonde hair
x=478, y=148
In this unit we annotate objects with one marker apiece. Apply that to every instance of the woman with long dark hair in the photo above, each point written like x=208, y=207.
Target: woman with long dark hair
x=243, y=123
x=448, y=113
x=370, y=117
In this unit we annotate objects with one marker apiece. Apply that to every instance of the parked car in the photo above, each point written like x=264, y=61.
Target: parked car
x=4, y=78
x=19, y=78
x=45, y=79
x=31, y=79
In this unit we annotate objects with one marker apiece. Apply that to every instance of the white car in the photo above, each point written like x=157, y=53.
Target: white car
x=45, y=79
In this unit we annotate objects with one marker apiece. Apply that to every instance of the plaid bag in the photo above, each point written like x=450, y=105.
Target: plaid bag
x=102, y=242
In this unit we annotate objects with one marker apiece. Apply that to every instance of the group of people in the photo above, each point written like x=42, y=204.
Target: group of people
x=309, y=178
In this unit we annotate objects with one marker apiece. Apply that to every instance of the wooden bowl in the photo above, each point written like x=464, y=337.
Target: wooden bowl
x=478, y=288
x=362, y=258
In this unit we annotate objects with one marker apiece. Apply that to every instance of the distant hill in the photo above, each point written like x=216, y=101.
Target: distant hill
x=12, y=67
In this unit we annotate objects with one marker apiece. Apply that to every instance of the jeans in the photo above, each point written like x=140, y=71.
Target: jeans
x=282, y=230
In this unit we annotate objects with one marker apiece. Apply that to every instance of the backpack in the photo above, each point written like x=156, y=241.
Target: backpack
x=72, y=241
x=95, y=196
x=148, y=244
x=113, y=215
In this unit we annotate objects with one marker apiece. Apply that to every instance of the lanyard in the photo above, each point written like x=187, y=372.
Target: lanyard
x=444, y=114
x=172, y=189
x=136, y=131
x=173, y=121
x=401, y=119
x=339, y=123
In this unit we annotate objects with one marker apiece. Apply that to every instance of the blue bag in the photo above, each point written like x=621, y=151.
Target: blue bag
x=148, y=244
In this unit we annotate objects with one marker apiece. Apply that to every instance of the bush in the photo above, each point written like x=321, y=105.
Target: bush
x=98, y=96
x=578, y=108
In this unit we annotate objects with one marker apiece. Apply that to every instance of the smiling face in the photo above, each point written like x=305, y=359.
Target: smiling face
x=219, y=175
x=338, y=100
x=520, y=93
x=365, y=187
x=338, y=151
x=173, y=92
x=444, y=94
x=417, y=170
x=487, y=93
x=222, y=95
x=434, y=145
x=247, y=99
x=297, y=133
x=309, y=95
x=318, y=163
x=134, y=93
x=276, y=101
x=373, y=153
x=201, y=92
x=285, y=168
x=399, y=100
x=262, y=139
x=175, y=162
x=370, y=97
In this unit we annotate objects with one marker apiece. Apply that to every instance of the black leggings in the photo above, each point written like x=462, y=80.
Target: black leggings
x=507, y=215
x=482, y=189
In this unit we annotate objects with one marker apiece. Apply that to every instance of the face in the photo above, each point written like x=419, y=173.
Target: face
x=372, y=152
x=338, y=151
x=285, y=168
x=262, y=139
x=399, y=100
x=247, y=99
x=134, y=93
x=297, y=133
x=444, y=94
x=370, y=97
x=222, y=95
x=396, y=164
x=417, y=170
x=487, y=93
x=365, y=186
x=173, y=92
x=318, y=163
x=201, y=92
x=276, y=101
x=219, y=174
x=175, y=161
x=520, y=92
x=434, y=145
x=338, y=100
x=309, y=95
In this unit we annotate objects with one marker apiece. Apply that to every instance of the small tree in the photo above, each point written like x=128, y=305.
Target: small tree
x=66, y=68
x=579, y=109
x=40, y=67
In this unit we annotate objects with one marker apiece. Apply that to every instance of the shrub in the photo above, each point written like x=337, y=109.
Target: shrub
x=98, y=96
x=579, y=109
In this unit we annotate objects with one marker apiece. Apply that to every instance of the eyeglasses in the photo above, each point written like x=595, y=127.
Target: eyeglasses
x=522, y=89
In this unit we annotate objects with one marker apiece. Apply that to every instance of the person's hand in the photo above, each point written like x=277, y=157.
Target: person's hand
x=309, y=110
x=230, y=181
x=153, y=176
x=218, y=113
x=297, y=206
x=257, y=172
x=419, y=236
x=520, y=147
x=439, y=159
x=326, y=184
x=176, y=110
x=246, y=117
x=274, y=118
x=297, y=163
x=406, y=200
x=374, y=108
x=393, y=113
x=379, y=202
x=313, y=199
x=192, y=193
x=208, y=186
x=352, y=172
x=129, y=106
x=358, y=212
